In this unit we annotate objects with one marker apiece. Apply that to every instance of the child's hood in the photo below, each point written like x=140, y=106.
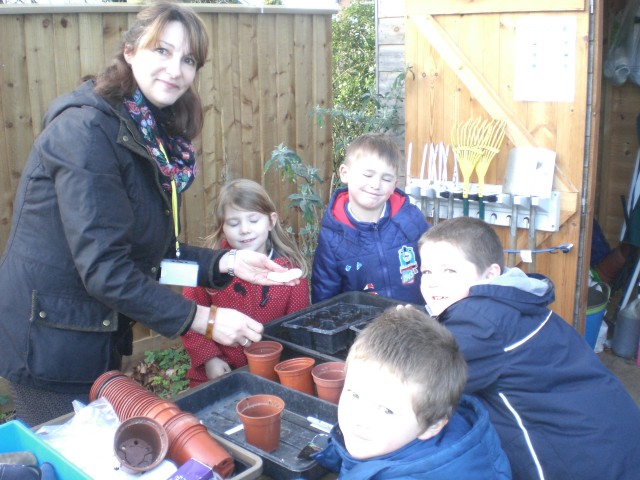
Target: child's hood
x=468, y=442
x=525, y=292
x=341, y=197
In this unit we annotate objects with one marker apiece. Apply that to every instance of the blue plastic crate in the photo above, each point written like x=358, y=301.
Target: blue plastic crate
x=15, y=436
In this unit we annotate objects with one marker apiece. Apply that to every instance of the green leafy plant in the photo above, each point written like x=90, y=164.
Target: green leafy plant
x=357, y=107
x=292, y=169
x=164, y=372
x=5, y=416
x=375, y=112
x=353, y=53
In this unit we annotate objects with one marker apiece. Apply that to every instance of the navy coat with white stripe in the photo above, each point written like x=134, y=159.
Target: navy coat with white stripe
x=559, y=412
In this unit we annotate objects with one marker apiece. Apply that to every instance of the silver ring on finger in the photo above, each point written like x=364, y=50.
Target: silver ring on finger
x=245, y=343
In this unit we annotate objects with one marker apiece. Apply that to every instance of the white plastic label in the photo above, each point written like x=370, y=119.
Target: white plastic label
x=179, y=272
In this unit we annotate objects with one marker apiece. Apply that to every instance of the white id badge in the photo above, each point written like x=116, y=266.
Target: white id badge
x=178, y=272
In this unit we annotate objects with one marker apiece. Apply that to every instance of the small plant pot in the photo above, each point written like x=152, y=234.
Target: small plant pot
x=196, y=442
x=163, y=412
x=140, y=444
x=295, y=373
x=329, y=380
x=101, y=382
x=262, y=357
x=180, y=422
x=261, y=416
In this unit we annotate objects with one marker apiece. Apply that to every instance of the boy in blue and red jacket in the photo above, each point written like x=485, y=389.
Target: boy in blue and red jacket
x=369, y=234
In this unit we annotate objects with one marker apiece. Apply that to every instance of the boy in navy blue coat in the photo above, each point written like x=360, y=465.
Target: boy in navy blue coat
x=369, y=234
x=559, y=412
x=401, y=415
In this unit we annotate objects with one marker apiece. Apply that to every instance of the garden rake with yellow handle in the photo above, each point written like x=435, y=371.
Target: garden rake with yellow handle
x=466, y=139
x=492, y=137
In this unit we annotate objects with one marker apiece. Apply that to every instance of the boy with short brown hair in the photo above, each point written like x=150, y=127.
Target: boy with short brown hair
x=559, y=412
x=401, y=414
x=369, y=234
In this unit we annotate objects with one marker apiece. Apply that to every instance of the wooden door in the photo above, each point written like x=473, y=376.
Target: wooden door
x=467, y=61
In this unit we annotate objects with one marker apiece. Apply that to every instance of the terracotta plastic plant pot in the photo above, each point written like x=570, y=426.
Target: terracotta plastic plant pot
x=140, y=444
x=295, y=373
x=179, y=422
x=102, y=380
x=162, y=412
x=262, y=357
x=196, y=442
x=261, y=416
x=186, y=436
x=329, y=380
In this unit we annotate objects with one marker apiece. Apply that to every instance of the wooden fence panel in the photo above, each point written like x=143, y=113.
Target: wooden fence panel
x=267, y=68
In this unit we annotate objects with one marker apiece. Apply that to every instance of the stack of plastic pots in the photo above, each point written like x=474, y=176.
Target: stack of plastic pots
x=188, y=438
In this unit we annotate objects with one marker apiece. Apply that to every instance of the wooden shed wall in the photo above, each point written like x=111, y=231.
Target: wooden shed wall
x=463, y=57
x=267, y=69
x=619, y=140
x=619, y=147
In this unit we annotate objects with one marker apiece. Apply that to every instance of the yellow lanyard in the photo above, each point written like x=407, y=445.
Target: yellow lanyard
x=174, y=204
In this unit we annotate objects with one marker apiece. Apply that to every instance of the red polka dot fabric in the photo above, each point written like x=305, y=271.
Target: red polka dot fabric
x=263, y=304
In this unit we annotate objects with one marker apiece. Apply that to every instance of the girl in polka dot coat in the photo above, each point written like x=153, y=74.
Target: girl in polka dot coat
x=245, y=218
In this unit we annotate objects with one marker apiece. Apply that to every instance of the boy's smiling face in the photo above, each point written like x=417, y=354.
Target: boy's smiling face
x=375, y=412
x=447, y=275
x=371, y=182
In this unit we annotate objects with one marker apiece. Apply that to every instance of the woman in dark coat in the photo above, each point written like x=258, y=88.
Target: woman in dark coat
x=95, y=215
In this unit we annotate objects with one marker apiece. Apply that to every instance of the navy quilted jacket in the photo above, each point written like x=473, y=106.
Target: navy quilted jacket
x=559, y=412
x=379, y=258
x=466, y=448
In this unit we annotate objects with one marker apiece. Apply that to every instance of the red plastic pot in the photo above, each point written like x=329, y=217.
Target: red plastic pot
x=295, y=373
x=261, y=417
x=329, y=380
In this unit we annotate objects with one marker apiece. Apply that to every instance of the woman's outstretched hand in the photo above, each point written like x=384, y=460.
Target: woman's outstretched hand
x=254, y=267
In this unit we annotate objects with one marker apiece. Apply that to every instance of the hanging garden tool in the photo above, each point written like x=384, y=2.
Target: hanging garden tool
x=492, y=136
x=466, y=139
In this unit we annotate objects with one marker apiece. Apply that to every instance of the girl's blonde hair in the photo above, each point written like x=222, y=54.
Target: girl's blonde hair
x=250, y=196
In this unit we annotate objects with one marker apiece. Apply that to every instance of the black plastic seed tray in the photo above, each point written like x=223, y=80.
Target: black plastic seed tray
x=323, y=330
x=357, y=328
x=214, y=403
x=327, y=329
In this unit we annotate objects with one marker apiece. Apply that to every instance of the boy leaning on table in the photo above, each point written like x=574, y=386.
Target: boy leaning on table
x=402, y=414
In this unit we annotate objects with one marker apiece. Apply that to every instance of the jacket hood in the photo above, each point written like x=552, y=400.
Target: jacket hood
x=468, y=443
x=83, y=96
x=341, y=198
x=528, y=293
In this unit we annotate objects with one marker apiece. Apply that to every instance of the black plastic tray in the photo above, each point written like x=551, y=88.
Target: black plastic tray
x=214, y=403
x=327, y=329
x=319, y=331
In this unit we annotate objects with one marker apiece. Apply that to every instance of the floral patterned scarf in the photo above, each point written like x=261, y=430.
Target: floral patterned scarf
x=181, y=164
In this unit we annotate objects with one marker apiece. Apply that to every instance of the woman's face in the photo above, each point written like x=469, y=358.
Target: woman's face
x=164, y=71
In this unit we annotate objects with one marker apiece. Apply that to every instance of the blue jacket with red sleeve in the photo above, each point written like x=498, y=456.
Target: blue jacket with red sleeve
x=380, y=258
